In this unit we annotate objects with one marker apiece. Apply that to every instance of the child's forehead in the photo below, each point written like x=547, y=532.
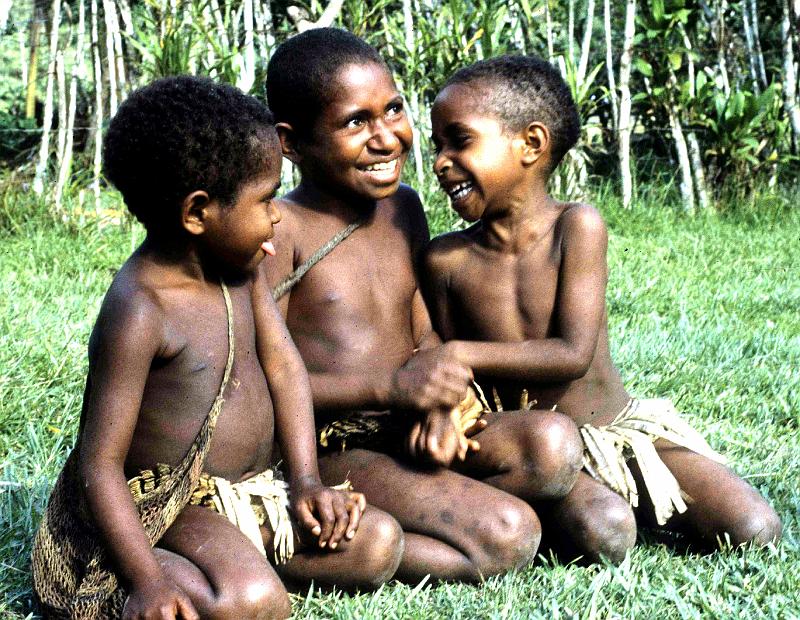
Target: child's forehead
x=459, y=102
x=356, y=80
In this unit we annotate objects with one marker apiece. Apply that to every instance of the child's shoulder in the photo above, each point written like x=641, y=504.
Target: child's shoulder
x=448, y=249
x=582, y=221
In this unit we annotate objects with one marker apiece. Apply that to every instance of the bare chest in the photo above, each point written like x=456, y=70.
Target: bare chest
x=506, y=297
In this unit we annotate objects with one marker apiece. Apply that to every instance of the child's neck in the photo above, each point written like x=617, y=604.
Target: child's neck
x=346, y=208
x=522, y=222
x=179, y=255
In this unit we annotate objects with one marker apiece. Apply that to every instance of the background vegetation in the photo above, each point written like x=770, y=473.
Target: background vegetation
x=689, y=148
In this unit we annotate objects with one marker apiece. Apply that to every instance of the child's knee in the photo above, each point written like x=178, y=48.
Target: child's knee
x=380, y=549
x=761, y=525
x=512, y=539
x=555, y=451
x=607, y=529
x=256, y=596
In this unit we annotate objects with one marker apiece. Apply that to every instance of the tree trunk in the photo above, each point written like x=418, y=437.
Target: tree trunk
x=98, y=108
x=61, y=83
x=789, y=77
x=695, y=153
x=548, y=20
x=33, y=59
x=722, y=63
x=413, y=101
x=686, y=185
x=78, y=74
x=612, y=86
x=624, y=125
x=762, y=73
x=247, y=69
x=751, y=48
x=44, y=148
x=586, y=45
x=112, y=70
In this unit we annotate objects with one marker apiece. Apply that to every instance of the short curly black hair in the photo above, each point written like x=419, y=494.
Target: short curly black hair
x=182, y=134
x=301, y=73
x=524, y=89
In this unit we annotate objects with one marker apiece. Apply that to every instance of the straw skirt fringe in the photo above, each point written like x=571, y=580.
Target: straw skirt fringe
x=632, y=435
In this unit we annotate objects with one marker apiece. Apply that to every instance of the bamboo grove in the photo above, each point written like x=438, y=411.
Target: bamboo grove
x=702, y=93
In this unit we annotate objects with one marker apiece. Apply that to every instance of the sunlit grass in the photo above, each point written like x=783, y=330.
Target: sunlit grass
x=702, y=309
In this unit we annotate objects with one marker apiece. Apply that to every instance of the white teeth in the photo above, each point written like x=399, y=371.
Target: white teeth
x=387, y=165
x=457, y=192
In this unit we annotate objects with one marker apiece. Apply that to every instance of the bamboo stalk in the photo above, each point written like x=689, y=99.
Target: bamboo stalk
x=751, y=50
x=78, y=73
x=762, y=73
x=790, y=104
x=61, y=84
x=47, y=124
x=695, y=153
x=413, y=101
x=111, y=70
x=247, y=63
x=33, y=60
x=586, y=44
x=612, y=86
x=624, y=126
x=98, y=108
x=548, y=20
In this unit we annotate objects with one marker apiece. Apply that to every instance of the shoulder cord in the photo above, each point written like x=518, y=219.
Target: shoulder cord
x=289, y=282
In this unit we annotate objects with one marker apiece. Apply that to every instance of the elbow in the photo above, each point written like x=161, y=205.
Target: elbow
x=577, y=365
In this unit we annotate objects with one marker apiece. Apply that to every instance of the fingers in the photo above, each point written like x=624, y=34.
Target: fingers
x=186, y=610
x=306, y=518
x=342, y=518
x=357, y=504
x=411, y=440
x=327, y=519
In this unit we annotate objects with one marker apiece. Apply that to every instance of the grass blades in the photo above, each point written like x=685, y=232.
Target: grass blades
x=702, y=310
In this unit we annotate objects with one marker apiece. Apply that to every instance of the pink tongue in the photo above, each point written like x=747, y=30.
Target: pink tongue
x=268, y=248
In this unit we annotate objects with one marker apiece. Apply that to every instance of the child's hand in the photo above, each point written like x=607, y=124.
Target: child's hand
x=158, y=600
x=327, y=513
x=438, y=438
x=431, y=379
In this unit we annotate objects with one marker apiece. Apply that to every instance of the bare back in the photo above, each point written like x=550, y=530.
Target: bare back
x=480, y=293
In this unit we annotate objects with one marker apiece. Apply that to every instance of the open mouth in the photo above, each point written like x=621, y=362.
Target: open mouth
x=385, y=170
x=459, y=191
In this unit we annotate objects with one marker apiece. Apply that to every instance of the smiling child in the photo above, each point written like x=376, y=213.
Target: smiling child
x=384, y=388
x=520, y=296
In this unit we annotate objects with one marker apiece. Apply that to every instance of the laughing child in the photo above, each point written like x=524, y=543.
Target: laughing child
x=520, y=296
x=383, y=386
x=169, y=505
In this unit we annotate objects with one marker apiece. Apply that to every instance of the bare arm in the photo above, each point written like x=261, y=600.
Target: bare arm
x=325, y=512
x=126, y=339
x=580, y=305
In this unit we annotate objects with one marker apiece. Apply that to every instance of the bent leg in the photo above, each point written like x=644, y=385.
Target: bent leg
x=221, y=571
x=365, y=562
x=591, y=521
x=722, y=503
x=456, y=528
x=534, y=455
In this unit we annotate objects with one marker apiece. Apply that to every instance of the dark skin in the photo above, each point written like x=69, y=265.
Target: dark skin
x=358, y=317
x=155, y=369
x=542, y=324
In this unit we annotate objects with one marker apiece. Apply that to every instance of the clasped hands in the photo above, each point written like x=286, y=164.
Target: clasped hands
x=434, y=383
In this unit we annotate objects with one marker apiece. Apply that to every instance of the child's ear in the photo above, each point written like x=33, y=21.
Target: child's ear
x=195, y=211
x=536, y=143
x=288, y=138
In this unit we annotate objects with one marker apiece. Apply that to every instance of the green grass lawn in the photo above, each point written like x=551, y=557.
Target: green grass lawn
x=704, y=310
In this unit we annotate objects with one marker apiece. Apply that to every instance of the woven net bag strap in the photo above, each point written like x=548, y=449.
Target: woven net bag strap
x=289, y=282
x=160, y=507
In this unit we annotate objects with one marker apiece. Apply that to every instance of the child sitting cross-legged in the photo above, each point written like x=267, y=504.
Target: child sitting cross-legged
x=520, y=296
x=170, y=504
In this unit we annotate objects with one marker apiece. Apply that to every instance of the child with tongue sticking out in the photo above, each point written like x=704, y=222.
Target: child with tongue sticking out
x=170, y=504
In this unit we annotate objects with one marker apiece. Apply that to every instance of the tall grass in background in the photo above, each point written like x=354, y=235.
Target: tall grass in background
x=702, y=309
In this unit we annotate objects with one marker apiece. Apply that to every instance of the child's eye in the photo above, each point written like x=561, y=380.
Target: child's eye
x=356, y=121
x=395, y=109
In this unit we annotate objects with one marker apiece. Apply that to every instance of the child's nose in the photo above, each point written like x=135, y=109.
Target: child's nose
x=441, y=165
x=274, y=213
x=383, y=138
